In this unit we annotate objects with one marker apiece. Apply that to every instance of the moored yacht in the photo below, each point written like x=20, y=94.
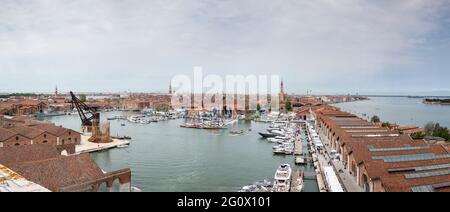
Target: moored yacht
x=267, y=135
x=282, y=177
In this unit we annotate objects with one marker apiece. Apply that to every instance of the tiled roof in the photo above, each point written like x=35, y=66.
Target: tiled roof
x=6, y=134
x=361, y=138
x=51, y=128
x=43, y=165
x=29, y=132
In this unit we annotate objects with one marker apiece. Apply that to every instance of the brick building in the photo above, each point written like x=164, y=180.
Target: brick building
x=22, y=106
x=381, y=159
x=22, y=134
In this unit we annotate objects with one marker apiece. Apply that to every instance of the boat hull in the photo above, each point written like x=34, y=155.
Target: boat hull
x=267, y=135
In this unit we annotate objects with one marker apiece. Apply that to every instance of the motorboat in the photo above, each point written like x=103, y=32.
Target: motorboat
x=236, y=132
x=192, y=125
x=121, y=146
x=275, y=140
x=282, y=177
x=267, y=135
x=270, y=129
x=278, y=132
x=278, y=150
x=289, y=150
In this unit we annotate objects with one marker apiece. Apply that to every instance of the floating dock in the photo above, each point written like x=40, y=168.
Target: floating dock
x=87, y=147
x=300, y=160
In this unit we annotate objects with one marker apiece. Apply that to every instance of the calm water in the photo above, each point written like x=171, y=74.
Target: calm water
x=401, y=110
x=165, y=157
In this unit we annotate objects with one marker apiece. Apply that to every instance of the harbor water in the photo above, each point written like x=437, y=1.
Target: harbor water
x=400, y=110
x=164, y=157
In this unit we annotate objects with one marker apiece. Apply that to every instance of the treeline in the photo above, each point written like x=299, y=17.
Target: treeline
x=430, y=129
x=433, y=129
x=442, y=101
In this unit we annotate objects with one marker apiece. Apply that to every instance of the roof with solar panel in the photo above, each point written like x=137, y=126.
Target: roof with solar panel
x=401, y=163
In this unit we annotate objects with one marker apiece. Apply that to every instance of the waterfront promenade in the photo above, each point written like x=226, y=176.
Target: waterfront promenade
x=87, y=147
x=346, y=180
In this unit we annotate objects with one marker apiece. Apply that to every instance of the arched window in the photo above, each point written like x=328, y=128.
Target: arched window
x=45, y=135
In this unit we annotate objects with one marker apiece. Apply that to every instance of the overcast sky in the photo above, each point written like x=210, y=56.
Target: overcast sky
x=323, y=45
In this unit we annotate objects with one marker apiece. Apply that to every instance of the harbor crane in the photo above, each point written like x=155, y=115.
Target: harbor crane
x=90, y=121
x=89, y=117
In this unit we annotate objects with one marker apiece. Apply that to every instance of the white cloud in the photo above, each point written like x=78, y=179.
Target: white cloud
x=322, y=39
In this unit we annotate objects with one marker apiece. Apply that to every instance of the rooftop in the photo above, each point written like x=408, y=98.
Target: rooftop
x=10, y=181
x=401, y=163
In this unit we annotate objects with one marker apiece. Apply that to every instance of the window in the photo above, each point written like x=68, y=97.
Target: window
x=45, y=141
x=17, y=144
x=69, y=139
x=70, y=133
x=17, y=138
x=45, y=135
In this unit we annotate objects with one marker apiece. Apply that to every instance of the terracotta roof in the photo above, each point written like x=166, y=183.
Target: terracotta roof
x=6, y=134
x=368, y=142
x=43, y=165
x=29, y=132
x=60, y=172
x=51, y=128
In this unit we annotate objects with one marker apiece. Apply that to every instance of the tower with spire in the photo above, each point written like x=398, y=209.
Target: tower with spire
x=170, y=89
x=56, y=91
x=282, y=96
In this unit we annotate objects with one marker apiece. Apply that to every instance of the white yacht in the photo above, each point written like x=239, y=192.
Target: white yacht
x=279, y=132
x=275, y=140
x=282, y=181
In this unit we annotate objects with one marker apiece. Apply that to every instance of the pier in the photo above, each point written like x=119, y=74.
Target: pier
x=298, y=147
x=297, y=182
x=88, y=147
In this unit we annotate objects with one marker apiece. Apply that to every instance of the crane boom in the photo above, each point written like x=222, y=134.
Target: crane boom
x=88, y=115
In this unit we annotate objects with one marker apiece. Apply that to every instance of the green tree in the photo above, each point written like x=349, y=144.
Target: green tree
x=258, y=107
x=429, y=128
x=418, y=135
x=441, y=132
x=288, y=106
x=386, y=124
x=375, y=119
x=83, y=97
